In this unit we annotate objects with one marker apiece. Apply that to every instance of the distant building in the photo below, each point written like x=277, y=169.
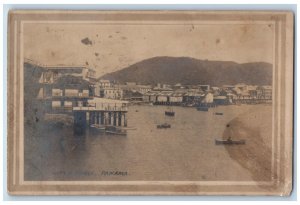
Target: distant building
x=176, y=98
x=107, y=89
x=162, y=87
x=100, y=86
x=133, y=87
x=163, y=97
x=221, y=100
x=150, y=96
x=132, y=95
x=178, y=86
x=204, y=87
x=111, y=93
x=193, y=96
x=209, y=98
x=264, y=92
x=130, y=83
x=104, y=84
x=228, y=87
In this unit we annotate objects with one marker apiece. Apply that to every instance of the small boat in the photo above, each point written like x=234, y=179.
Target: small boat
x=204, y=109
x=229, y=141
x=115, y=130
x=170, y=112
x=129, y=128
x=97, y=127
x=218, y=113
x=164, y=126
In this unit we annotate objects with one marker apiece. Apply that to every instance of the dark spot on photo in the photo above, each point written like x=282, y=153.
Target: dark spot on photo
x=86, y=41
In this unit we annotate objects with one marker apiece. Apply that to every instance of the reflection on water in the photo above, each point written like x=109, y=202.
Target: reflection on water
x=186, y=151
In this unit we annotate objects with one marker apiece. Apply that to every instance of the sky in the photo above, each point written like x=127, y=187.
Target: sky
x=108, y=48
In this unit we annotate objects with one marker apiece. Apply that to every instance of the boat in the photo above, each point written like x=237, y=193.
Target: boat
x=164, y=126
x=229, y=141
x=204, y=109
x=218, y=113
x=170, y=112
x=128, y=128
x=97, y=127
x=113, y=130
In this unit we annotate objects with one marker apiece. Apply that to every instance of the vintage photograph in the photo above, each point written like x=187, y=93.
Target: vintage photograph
x=190, y=98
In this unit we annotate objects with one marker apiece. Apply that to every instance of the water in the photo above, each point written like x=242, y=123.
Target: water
x=186, y=151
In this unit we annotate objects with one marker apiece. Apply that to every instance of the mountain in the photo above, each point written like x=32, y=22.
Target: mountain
x=185, y=70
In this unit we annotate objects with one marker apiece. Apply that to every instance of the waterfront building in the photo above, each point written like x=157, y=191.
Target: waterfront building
x=53, y=91
x=61, y=87
x=104, y=84
x=64, y=94
x=133, y=87
x=111, y=93
x=204, y=88
x=264, y=92
x=100, y=85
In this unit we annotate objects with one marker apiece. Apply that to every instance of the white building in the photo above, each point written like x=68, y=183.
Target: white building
x=104, y=83
x=111, y=93
x=209, y=98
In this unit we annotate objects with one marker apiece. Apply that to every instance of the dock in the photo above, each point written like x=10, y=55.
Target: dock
x=100, y=112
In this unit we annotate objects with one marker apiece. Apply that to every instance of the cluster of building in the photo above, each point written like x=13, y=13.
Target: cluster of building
x=69, y=89
x=59, y=93
x=186, y=95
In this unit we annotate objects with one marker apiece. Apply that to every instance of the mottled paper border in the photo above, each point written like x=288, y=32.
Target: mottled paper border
x=281, y=183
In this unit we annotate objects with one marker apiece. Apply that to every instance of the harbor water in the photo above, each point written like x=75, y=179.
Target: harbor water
x=184, y=152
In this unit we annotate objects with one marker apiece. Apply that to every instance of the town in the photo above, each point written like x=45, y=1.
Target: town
x=74, y=92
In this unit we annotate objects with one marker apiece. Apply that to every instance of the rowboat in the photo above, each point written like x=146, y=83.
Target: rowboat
x=170, y=112
x=164, y=126
x=230, y=142
x=204, y=109
x=113, y=130
x=97, y=127
x=218, y=113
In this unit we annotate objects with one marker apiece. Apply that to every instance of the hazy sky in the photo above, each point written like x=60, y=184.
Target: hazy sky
x=113, y=47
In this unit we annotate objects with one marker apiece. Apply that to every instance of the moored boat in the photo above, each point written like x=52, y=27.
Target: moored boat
x=170, y=112
x=164, y=126
x=218, y=113
x=97, y=127
x=113, y=130
x=204, y=109
x=230, y=142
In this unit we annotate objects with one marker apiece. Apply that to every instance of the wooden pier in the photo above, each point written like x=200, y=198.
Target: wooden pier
x=102, y=115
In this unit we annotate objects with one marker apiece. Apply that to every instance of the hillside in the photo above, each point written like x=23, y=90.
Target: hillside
x=185, y=70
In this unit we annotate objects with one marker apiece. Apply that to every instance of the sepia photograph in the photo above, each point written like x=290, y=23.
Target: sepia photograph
x=150, y=102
